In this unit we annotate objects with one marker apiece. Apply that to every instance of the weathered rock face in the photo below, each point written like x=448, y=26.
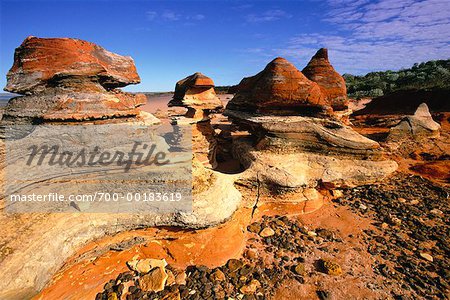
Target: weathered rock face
x=298, y=134
x=196, y=92
x=330, y=82
x=279, y=89
x=418, y=126
x=288, y=134
x=70, y=79
x=42, y=63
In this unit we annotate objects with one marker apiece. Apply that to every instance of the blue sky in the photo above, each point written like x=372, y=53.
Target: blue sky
x=228, y=40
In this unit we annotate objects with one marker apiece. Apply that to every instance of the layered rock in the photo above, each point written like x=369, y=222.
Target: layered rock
x=299, y=138
x=330, y=82
x=64, y=79
x=75, y=82
x=280, y=89
x=416, y=127
x=196, y=93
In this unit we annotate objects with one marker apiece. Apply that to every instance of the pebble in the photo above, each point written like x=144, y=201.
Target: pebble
x=251, y=287
x=300, y=269
x=337, y=193
x=218, y=275
x=312, y=233
x=426, y=256
x=331, y=268
x=267, y=232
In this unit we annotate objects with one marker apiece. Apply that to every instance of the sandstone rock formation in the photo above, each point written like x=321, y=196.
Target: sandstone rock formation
x=418, y=126
x=74, y=82
x=66, y=79
x=280, y=89
x=196, y=93
x=330, y=82
x=298, y=134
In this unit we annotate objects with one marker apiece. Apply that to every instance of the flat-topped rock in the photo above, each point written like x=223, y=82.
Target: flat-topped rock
x=297, y=133
x=40, y=63
x=64, y=79
x=331, y=83
x=197, y=92
x=279, y=89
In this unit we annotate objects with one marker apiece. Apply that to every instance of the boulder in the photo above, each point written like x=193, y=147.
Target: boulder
x=280, y=89
x=416, y=127
x=66, y=79
x=42, y=63
x=330, y=82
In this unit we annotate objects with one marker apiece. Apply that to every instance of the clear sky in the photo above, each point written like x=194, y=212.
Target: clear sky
x=228, y=40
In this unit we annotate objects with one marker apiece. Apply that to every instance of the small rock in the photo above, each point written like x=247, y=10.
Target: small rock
x=300, y=269
x=154, y=281
x=234, y=265
x=251, y=287
x=401, y=200
x=112, y=296
x=266, y=232
x=396, y=221
x=331, y=268
x=436, y=211
x=337, y=193
x=143, y=266
x=251, y=254
x=170, y=278
x=218, y=275
x=414, y=202
x=254, y=227
x=323, y=295
x=312, y=233
x=426, y=256
x=180, y=278
x=362, y=206
x=384, y=225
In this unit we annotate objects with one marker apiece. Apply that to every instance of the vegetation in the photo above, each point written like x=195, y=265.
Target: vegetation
x=429, y=75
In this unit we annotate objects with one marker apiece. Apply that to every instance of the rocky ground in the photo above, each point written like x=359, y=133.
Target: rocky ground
x=381, y=241
x=400, y=253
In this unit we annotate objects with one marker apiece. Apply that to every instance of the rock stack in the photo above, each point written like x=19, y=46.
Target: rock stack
x=299, y=139
x=332, y=85
x=416, y=127
x=64, y=79
x=196, y=93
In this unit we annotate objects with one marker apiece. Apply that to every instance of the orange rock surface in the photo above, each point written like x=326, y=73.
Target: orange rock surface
x=40, y=62
x=331, y=83
x=279, y=89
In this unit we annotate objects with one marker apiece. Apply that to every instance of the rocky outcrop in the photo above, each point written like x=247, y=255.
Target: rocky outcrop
x=416, y=127
x=64, y=79
x=75, y=82
x=196, y=93
x=299, y=138
x=330, y=82
x=280, y=89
